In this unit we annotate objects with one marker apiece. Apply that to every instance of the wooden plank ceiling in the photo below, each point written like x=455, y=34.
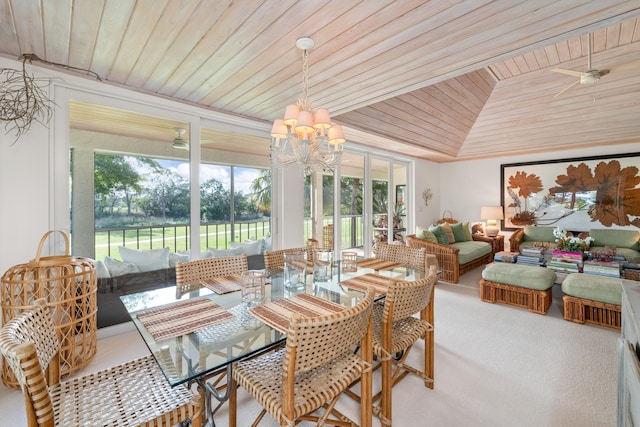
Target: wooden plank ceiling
x=444, y=81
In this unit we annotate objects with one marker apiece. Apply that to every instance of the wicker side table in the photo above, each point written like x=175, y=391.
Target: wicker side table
x=69, y=285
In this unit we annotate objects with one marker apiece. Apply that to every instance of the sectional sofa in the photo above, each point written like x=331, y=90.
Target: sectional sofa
x=626, y=241
x=142, y=270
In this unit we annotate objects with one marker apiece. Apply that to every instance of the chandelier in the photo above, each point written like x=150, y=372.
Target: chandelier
x=306, y=135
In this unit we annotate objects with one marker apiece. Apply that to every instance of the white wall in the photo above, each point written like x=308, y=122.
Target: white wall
x=427, y=176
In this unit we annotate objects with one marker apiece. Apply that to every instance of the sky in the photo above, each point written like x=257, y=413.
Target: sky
x=243, y=176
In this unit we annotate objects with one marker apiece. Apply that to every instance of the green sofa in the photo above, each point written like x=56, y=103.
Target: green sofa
x=627, y=242
x=455, y=258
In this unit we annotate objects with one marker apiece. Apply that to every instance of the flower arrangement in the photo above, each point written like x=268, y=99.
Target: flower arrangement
x=568, y=242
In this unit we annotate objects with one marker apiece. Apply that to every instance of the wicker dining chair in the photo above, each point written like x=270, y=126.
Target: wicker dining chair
x=317, y=364
x=275, y=259
x=410, y=257
x=132, y=394
x=395, y=330
x=190, y=273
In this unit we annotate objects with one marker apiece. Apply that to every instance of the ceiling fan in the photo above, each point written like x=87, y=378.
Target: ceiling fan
x=179, y=142
x=584, y=77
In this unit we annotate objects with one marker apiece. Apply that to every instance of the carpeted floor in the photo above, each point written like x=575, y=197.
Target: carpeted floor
x=496, y=365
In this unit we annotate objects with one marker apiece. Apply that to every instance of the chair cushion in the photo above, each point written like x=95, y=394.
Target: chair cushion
x=619, y=238
x=593, y=287
x=472, y=250
x=538, y=234
x=523, y=276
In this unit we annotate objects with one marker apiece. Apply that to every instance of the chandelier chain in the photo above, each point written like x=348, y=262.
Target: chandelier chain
x=305, y=75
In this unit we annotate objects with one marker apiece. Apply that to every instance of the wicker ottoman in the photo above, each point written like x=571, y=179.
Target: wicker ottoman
x=593, y=299
x=519, y=285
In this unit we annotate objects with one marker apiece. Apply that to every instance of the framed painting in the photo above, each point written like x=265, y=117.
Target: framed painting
x=575, y=194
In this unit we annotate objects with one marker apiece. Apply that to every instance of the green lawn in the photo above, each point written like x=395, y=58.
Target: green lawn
x=211, y=236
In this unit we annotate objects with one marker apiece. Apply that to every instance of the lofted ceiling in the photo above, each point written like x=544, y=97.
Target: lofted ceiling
x=439, y=80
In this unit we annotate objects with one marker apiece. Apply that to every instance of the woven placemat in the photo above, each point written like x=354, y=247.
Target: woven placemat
x=223, y=285
x=182, y=317
x=362, y=283
x=277, y=314
x=377, y=264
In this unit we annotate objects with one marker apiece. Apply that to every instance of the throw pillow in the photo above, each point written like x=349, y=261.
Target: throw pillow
x=118, y=268
x=266, y=243
x=447, y=229
x=146, y=260
x=249, y=247
x=441, y=235
x=219, y=253
x=424, y=234
x=467, y=232
x=175, y=258
x=458, y=232
x=101, y=270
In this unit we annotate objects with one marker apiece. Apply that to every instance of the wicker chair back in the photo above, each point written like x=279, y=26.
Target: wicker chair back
x=410, y=257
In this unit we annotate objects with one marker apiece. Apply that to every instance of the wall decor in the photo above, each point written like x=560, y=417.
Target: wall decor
x=426, y=196
x=576, y=194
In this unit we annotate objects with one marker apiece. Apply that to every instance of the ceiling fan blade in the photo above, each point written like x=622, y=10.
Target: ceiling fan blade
x=624, y=67
x=567, y=72
x=567, y=88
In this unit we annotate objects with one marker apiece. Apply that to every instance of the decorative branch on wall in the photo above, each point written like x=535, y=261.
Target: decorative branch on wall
x=426, y=196
x=23, y=98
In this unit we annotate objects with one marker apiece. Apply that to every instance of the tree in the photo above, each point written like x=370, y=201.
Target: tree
x=261, y=191
x=215, y=201
x=115, y=179
x=166, y=195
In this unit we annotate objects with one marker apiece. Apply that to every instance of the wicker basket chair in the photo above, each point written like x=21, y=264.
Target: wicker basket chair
x=188, y=277
x=190, y=273
x=317, y=364
x=411, y=257
x=275, y=259
x=132, y=394
x=395, y=330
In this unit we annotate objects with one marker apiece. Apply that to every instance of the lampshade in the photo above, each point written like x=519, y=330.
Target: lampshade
x=279, y=129
x=491, y=212
x=321, y=119
x=291, y=114
x=305, y=122
x=336, y=135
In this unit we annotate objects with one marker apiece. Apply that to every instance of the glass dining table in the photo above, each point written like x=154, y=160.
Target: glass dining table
x=203, y=353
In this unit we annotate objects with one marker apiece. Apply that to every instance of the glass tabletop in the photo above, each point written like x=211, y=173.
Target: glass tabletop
x=210, y=349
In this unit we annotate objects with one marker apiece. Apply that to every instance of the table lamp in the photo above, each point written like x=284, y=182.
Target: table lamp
x=491, y=214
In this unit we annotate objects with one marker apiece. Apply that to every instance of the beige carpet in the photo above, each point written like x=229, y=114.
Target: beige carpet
x=496, y=365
